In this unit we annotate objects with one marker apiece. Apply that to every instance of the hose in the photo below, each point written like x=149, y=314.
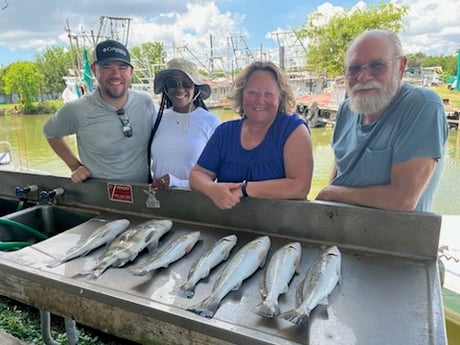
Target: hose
x=13, y=245
x=23, y=227
x=70, y=325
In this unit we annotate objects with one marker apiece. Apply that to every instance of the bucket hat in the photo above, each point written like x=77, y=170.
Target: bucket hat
x=110, y=50
x=186, y=67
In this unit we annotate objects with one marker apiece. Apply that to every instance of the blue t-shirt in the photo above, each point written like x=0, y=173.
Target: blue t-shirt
x=414, y=126
x=225, y=156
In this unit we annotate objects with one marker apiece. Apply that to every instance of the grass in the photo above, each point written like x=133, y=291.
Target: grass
x=452, y=95
x=23, y=322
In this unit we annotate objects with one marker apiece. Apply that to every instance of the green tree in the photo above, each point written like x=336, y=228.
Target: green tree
x=24, y=79
x=447, y=63
x=147, y=60
x=415, y=60
x=54, y=63
x=2, y=80
x=328, y=42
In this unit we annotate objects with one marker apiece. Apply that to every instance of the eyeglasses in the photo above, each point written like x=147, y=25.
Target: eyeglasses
x=126, y=128
x=374, y=68
x=175, y=84
x=253, y=94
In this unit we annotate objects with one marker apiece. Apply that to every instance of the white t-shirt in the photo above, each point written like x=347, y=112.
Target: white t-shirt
x=178, y=143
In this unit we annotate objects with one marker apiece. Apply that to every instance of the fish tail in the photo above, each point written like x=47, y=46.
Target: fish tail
x=96, y=272
x=267, y=309
x=54, y=263
x=138, y=271
x=187, y=290
x=207, y=307
x=295, y=316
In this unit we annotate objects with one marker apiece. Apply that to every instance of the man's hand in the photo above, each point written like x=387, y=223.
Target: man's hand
x=80, y=174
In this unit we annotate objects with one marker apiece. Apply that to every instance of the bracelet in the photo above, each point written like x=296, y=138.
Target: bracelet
x=244, y=184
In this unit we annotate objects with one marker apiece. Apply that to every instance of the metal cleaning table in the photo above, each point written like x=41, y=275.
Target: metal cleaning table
x=389, y=294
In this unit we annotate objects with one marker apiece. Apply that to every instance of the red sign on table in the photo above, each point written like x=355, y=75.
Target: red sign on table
x=120, y=192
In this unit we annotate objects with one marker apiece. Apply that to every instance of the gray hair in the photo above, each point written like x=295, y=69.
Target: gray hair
x=390, y=36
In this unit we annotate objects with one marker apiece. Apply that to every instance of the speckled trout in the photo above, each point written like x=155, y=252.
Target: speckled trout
x=283, y=264
x=172, y=252
x=320, y=280
x=102, y=235
x=201, y=268
x=241, y=266
x=130, y=243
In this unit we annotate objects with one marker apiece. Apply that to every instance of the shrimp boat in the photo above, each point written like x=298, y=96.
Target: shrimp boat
x=390, y=285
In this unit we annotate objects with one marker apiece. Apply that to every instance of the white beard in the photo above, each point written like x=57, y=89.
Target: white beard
x=375, y=103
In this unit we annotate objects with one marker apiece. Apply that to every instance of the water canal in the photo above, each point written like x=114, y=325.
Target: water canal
x=31, y=151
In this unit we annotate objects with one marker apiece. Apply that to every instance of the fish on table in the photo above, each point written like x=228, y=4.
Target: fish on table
x=320, y=280
x=201, y=268
x=242, y=265
x=129, y=244
x=283, y=264
x=102, y=235
x=172, y=252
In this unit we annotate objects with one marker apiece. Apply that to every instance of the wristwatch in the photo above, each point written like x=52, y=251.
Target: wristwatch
x=244, y=184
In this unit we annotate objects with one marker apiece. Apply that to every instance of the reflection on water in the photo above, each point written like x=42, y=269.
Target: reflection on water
x=31, y=151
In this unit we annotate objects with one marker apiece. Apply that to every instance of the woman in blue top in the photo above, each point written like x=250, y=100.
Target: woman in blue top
x=265, y=154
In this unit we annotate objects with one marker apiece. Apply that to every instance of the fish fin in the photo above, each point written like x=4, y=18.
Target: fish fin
x=295, y=316
x=267, y=309
x=284, y=289
x=324, y=301
x=207, y=307
x=299, y=292
x=86, y=252
x=237, y=286
x=263, y=290
x=262, y=263
x=152, y=246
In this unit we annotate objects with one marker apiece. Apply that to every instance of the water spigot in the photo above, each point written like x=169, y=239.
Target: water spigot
x=47, y=196
x=23, y=192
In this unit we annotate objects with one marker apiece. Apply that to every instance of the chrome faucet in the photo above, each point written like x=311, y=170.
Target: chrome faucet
x=47, y=196
x=23, y=192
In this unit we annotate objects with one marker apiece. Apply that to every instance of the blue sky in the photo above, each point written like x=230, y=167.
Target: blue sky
x=27, y=27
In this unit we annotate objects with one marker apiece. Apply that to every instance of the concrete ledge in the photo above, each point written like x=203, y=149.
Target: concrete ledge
x=7, y=339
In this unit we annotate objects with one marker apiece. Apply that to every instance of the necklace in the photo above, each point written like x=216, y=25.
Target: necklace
x=182, y=120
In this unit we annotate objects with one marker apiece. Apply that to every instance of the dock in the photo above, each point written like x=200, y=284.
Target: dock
x=453, y=114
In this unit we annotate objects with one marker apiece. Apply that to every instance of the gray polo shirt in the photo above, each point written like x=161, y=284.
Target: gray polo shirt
x=102, y=147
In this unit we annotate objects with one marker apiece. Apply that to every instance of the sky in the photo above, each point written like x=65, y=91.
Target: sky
x=198, y=29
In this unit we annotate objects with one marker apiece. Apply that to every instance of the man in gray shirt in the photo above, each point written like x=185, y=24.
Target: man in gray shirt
x=112, y=124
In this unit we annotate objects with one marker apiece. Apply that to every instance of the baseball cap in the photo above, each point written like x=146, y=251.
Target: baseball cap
x=186, y=67
x=111, y=50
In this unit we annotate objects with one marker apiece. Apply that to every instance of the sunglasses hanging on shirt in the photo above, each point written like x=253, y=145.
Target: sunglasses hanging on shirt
x=126, y=128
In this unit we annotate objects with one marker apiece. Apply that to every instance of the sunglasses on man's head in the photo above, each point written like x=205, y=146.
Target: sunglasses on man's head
x=126, y=128
x=175, y=84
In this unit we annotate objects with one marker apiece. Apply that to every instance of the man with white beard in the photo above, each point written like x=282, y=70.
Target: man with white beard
x=389, y=139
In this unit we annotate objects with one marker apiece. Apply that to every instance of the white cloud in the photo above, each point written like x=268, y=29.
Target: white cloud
x=433, y=25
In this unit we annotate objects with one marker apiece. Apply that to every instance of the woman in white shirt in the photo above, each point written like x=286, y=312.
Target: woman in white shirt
x=184, y=126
